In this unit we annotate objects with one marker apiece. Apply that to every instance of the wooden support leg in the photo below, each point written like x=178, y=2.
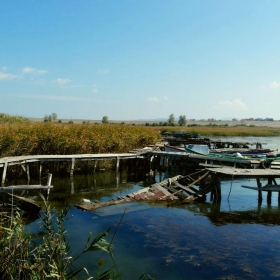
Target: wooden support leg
x=94, y=166
x=269, y=197
x=160, y=161
x=72, y=167
x=269, y=192
x=27, y=172
x=117, y=164
x=212, y=196
x=218, y=187
x=117, y=180
x=4, y=174
x=259, y=190
x=72, y=185
x=40, y=173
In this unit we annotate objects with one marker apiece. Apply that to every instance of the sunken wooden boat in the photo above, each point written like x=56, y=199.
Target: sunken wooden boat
x=181, y=188
x=24, y=204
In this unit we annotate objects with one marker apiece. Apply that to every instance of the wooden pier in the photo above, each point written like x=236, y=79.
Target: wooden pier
x=24, y=161
x=206, y=160
x=270, y=174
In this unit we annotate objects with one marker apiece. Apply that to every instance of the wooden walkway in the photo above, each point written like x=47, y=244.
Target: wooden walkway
x=270, y=174
x=208, y=161
x=246, y=173
x=24, y=161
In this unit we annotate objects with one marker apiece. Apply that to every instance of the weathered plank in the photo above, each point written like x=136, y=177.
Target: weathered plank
x=24, y=187
x=267, y=187
x=246, y=173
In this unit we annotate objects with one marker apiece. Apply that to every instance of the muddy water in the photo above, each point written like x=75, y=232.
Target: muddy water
x=236, y=239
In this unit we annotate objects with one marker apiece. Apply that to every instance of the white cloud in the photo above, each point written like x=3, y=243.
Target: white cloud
x=235, y=104
x=274, y=85
x=4, y=68
x=94, y=90
x=165, y=98
x=27, y=70
x=61, y=82
x=7, y=76
x=103, y=71
x=153, y=99
x=60, y=97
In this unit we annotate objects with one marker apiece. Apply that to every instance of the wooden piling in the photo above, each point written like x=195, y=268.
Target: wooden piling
x=27, y=172
x=72, y=167
x=40, y=172
x=4, y=174
x=259, y=190
x=117, y=164
x=94, y=166
x=269, y=192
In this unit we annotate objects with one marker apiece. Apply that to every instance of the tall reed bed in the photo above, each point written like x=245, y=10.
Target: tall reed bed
x=5, y=118
x=49, y=138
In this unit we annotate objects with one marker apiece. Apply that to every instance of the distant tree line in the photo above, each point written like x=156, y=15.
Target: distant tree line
x=50, y=118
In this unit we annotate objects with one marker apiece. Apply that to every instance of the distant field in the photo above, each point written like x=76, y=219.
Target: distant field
x=230, y=123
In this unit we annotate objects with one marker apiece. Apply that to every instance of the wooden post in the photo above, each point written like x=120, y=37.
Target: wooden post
x=4, y=174
x=95, y=165
x=117, y=180
x=212, y=195
x=49, y=179
x=218, y=189
x=27, y=172
x=40, y=172
x=259, y=190
x=72, y=167
x=161, y=161
x=269, y=192
x=117, y=164
x=72, y=185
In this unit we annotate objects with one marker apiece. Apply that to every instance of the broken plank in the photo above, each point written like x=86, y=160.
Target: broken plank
x=24, y=187
x=268, y=187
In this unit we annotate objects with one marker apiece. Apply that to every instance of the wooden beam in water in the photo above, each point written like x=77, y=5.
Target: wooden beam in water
x=24, y=188
x=4, y=174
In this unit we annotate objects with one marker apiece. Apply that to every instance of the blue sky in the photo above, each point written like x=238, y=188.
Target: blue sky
x=140, y=59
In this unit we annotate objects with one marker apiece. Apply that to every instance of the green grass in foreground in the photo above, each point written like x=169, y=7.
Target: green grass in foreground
x=23, y=256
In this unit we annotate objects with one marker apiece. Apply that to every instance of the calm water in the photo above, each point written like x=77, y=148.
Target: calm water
x=238, y=239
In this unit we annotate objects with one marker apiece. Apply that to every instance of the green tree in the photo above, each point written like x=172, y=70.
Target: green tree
x=46, y=118
x=54, y=116
x=171, y=120
x=105, y=120
x=182, y=120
